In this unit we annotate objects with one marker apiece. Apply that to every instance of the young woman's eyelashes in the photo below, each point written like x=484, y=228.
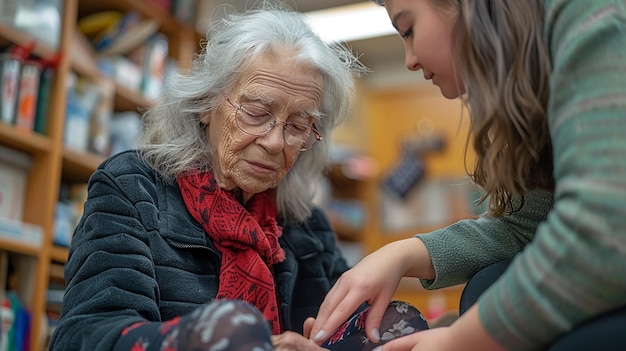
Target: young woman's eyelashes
x=406, y=34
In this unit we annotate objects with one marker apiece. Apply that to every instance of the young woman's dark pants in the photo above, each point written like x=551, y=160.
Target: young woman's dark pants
x=606, y=332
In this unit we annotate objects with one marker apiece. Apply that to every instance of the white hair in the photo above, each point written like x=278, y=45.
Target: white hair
x=173, y=141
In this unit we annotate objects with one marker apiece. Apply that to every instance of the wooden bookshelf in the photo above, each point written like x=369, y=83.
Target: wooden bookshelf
x=52, y=162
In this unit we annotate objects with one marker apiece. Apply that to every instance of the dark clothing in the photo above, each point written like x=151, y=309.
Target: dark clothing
x=604, y=332
x=137, y=255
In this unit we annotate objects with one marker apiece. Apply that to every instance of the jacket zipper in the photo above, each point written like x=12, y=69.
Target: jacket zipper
x=190, y=246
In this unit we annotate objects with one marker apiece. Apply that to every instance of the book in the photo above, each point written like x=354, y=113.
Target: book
x=19, y=231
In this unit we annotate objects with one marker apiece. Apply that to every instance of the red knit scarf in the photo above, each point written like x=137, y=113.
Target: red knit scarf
x=246, y=237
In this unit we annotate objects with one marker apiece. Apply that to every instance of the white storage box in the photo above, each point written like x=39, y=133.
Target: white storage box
x=14, y=167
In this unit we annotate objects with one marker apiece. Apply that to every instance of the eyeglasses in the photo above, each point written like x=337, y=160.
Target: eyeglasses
x=255, y=120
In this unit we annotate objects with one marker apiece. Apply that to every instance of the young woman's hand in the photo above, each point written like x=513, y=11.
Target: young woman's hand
x=292, y=341
x=373, y=280
x=439, y=339
x=465, y=334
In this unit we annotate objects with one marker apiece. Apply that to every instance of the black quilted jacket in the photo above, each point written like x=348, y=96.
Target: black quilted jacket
x=138, y=255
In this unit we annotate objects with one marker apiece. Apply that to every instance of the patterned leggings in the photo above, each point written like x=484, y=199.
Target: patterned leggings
x=238, y=326
x=400, y=319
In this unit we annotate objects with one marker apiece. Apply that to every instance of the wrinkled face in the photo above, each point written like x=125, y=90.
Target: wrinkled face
x=291, y=92
x=427, y=33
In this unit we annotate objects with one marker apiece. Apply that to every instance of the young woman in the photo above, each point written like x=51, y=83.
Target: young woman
x=545, y=83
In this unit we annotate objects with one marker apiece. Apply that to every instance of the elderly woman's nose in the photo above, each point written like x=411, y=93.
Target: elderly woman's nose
x=274, y=140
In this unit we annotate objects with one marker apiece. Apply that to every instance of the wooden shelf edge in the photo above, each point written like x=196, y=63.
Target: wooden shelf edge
x=20, y=237
x=59, y=253
x=20, y=247
x=18, y=37
x=22, y=140
x=168, y=23
x=127, y=99
x=79, y=165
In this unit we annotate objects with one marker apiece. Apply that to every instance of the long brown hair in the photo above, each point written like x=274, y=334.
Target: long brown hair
x=506, y=68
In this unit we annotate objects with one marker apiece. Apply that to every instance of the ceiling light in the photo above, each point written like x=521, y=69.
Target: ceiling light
x=352, y=22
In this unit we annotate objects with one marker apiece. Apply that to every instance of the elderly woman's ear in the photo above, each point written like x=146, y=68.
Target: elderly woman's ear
x=204, y=120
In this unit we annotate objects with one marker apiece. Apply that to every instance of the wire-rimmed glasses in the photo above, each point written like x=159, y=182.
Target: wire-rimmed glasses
x=255, y=120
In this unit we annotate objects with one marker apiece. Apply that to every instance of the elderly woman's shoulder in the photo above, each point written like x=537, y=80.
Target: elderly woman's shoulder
x=125, y=163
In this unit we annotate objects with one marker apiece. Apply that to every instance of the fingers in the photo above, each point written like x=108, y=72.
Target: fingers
x=317, y=332
x=334, y=311
x=322, y=331
x=307, y=327
x=404, y=343
x=374, y=318
x=291, y=341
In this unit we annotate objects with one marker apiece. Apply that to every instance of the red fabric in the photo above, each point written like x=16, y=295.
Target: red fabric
x=246, y=237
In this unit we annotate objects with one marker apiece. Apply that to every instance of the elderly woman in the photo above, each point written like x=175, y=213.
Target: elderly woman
x=206, y=235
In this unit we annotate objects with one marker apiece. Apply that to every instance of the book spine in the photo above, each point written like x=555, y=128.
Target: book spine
x=10, y=66
x=27, y=96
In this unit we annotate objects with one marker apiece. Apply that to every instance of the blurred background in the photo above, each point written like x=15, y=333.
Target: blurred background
x=77, y=74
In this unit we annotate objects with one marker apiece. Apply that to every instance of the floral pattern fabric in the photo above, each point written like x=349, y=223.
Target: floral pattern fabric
x=222, y=325
x=400, y=319
x=233, y=325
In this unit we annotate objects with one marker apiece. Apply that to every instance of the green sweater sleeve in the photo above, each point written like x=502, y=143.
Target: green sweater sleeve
x=574, y=267
x=462, y=249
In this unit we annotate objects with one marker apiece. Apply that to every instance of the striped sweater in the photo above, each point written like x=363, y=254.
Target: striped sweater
x=573, y=260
